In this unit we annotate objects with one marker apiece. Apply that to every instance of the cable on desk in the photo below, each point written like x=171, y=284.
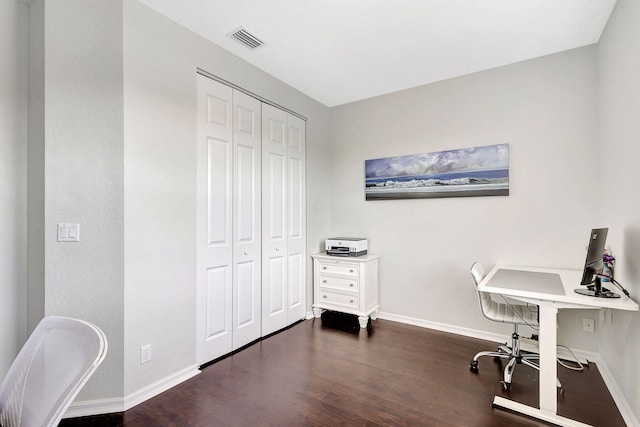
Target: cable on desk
x=620, y=286
x=575, y=360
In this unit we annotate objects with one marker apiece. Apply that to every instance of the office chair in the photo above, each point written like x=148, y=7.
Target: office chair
x=49, y=371
x=505, y=312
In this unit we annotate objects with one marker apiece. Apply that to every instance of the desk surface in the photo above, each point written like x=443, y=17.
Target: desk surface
x=528, y=284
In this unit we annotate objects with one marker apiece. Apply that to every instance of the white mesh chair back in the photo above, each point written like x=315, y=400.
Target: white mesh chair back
x=51, y=368
x=501, y=311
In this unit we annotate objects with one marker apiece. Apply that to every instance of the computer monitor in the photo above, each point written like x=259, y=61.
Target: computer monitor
x=593, y=266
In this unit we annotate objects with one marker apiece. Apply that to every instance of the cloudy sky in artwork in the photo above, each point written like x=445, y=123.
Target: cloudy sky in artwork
x=464, y=160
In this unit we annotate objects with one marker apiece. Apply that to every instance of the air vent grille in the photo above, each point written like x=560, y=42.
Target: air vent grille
x=246, y=38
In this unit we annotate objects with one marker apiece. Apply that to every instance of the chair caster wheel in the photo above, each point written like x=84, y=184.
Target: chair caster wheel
x=474, y=366
x=505, y=386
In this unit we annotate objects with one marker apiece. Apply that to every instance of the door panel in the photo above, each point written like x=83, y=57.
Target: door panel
x=276, y=198
x=274, y=217
x=245, y=306
x=218, y=298
x=296, y=238
x=214, y=220
x=296, y=199
x=218, y=189
x=275, y=290
x=284, y=223
x=246, y=194
x=296, y=291
x=247, y=123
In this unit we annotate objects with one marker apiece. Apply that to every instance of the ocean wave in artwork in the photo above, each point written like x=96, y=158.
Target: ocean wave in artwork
x=459, y=179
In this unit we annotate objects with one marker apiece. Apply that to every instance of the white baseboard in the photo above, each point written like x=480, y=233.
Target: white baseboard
x=108, y=406
x=607, y=376
x=158, y=387
x=473, y=333
x=627, y=413
x=86, y=408
x=309, y=315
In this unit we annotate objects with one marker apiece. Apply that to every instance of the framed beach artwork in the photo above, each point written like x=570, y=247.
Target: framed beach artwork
x=477, y=171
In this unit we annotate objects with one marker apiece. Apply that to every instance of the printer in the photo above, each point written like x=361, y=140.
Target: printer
x=346, y=246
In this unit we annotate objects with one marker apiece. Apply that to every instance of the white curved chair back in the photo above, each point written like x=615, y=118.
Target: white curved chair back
x=50, y=370
x=487, y=305
x=501, y=312
x=477, y=272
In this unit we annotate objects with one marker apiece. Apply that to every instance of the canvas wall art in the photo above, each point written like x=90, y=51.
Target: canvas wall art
x=477, y=171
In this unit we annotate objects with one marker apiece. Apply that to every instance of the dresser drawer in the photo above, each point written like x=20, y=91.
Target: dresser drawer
x=341, y=283
x=341, y=300
x=339, y=267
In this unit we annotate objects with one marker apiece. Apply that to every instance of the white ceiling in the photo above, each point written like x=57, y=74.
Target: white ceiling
x=340, y=51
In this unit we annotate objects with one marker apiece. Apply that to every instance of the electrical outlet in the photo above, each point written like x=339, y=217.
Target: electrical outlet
x=588, y=325
x=145, y=353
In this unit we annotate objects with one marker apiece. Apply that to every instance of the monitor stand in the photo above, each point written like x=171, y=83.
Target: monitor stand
x=596, y=290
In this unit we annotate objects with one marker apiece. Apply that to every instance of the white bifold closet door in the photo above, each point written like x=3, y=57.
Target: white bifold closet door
x=228, y=220
x=283, y=219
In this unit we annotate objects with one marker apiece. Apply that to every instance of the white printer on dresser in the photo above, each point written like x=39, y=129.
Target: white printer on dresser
x=346, y=246
x=348, y=284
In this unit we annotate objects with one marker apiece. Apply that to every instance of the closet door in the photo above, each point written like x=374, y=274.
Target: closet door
x=251, y=266
x=296, y=224
x=247, y=219
x=214, y=220
x=274, y=219
x=228, y=220
x=283, y=216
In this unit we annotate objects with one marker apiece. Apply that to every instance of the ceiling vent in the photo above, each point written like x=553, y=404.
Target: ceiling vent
x=246, y=38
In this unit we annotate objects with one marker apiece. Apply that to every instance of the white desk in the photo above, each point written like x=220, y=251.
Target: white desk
x=549, y=297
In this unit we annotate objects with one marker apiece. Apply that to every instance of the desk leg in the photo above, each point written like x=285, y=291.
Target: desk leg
x=548, y=367
x=547, y=376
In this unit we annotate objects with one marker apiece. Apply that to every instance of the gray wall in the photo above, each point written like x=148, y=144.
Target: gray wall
x=545, y=109
x=35, y=167
x=13, y=170
x=84, y=146
x=619, y=86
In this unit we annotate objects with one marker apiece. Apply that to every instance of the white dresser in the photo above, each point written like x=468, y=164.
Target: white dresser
x=346, y=284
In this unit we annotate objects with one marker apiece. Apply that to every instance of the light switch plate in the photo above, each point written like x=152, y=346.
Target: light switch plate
x=68, y=232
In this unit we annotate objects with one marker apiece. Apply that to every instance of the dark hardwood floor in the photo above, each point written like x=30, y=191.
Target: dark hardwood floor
x=389, y=375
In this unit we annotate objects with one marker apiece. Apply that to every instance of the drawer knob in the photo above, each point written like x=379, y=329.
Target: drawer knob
x=324, y=268
x=351, y=301
x=351, y=270
x=277, y=249
x=351, y=284
x=324, y=281
x=246, y=252
x=324, y=296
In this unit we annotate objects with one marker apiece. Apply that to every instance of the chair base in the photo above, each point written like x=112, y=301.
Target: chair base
x=514, y=358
